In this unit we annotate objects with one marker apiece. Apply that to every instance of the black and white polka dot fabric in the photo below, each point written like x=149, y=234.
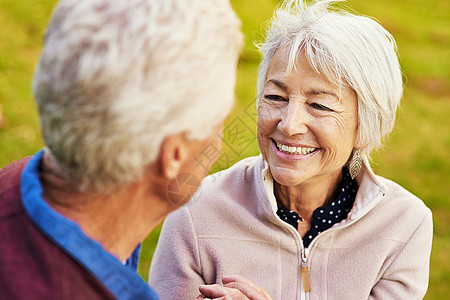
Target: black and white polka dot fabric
x=327, y=216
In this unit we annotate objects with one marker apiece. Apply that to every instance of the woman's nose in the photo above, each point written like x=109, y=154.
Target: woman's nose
x=294, y=119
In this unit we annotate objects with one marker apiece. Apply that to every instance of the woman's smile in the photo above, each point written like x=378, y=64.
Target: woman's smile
x=293, y=151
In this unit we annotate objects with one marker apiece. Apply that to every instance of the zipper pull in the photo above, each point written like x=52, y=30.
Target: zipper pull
x=304, y=270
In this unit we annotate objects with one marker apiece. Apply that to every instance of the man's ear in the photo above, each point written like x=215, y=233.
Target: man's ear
x=172, y=155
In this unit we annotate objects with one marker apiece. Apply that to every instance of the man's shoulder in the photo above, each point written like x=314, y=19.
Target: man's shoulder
x=10, y=187
x=10, y=174
x=36, y=268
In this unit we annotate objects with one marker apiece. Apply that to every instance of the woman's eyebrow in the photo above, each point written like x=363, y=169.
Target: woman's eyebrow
x=314, y=92
x=277, y=83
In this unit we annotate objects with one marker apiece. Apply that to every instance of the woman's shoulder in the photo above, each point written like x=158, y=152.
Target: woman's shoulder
x=235, y=177
x=239, y=166
x=393, y=196
x=401, y=196
x=237, y=188
x=398, y=214
x=404, y=211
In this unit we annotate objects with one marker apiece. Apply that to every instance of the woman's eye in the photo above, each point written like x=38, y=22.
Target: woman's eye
x=274, y=98
x=320, y=107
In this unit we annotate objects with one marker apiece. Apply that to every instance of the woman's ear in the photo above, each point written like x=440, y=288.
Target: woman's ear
x=361, y=144
x=172, y=155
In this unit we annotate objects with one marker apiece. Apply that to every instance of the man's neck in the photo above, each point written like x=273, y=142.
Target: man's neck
x=119, y=221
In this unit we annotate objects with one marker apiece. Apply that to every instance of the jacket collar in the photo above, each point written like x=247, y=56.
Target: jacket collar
x=370, y=190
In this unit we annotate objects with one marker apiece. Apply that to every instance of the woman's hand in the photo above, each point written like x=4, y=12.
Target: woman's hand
x=234, y=288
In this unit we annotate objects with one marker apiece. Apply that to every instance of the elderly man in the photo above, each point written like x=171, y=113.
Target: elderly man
x=129, y=93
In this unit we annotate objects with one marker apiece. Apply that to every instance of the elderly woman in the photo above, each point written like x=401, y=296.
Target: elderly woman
x=307, y=219
x=125, y=90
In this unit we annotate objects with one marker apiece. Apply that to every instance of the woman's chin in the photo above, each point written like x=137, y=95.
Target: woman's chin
x=287, y=177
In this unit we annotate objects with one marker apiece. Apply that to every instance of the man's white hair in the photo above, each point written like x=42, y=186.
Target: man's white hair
x=117, y=77
x=348, y=49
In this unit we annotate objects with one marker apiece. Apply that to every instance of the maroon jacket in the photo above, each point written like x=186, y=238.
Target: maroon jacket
x=32, y=266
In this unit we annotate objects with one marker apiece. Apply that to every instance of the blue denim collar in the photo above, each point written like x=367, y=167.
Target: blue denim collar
x=121, y=280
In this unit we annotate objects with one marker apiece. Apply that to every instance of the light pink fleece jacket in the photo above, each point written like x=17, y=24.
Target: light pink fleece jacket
x=381, y=251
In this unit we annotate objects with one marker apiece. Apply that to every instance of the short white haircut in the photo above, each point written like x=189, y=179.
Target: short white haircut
x=348, y=49
x=117, y=77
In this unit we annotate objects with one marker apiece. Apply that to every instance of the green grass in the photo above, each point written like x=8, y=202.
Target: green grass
x=415, y=156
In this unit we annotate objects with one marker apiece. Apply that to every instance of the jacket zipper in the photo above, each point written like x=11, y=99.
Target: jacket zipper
x=305, y=284
x=304, y=270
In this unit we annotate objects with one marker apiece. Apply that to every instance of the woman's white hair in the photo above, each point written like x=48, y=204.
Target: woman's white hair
x=117, y=77
x=348, y=49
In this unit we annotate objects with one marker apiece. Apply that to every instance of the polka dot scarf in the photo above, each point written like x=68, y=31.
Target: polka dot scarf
x=327, y=216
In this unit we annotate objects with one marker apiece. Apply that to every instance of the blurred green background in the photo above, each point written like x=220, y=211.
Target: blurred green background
x=415, y=156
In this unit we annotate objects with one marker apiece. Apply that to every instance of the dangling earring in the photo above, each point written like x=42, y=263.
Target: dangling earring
x=355, y=164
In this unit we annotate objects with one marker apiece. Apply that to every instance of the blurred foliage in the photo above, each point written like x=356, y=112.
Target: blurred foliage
x=415, y=156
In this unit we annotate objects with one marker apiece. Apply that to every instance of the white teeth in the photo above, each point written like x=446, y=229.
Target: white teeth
x=294, y=150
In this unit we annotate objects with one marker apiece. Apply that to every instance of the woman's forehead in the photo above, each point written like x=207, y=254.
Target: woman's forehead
x=285, y=61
